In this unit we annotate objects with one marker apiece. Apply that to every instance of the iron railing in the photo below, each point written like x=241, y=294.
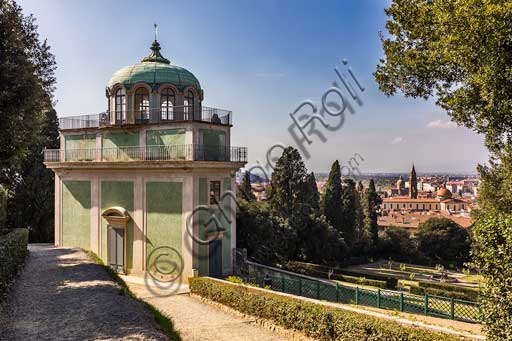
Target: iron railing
x=185, y=152
x=148, y=116
x=428, y=305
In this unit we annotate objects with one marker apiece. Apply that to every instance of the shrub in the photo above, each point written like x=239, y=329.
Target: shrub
x=470, y=294
x=13, y=250
x=437, y=292
x=375, y=280
x=314, y=271
x=314, y=320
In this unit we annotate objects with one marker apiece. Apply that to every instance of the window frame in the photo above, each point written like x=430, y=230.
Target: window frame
x=214, y=191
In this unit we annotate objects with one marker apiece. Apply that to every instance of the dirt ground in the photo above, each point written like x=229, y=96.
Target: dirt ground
x=62, y=295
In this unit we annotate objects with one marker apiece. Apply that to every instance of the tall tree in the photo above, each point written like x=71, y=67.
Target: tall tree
x=245, y=189
x=461, y=52
x=34, y=190
x=287, y=184
x=312, y=197
x=348, y=211
x=332, y=198
x=26, y=86
x=372, y=205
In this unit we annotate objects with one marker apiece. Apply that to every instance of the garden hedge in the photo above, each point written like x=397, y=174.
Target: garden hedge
x=444, y=289
x=375, y=280
x=13, y=250
x=314, y=320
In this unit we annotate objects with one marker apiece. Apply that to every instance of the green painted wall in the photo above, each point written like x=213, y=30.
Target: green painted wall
x=117, y=193
x=76, y=214
x=80, y=141
x=223, y=219
x=165, y=137
x=226, y=241
x=214, y=142
x=80, y=147
x=124, y=139
x=163, y=218
x=116, y=140
x=203, y=217
x=213, y=137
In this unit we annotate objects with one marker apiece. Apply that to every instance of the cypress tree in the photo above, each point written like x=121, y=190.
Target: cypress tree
x=288, y=183
x=372, y=203
x=332, y=198
x=245, y=189
x=348, y=210
x=312, y=195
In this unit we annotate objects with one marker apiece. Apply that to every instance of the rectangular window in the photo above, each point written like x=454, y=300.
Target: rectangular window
x=214, y=192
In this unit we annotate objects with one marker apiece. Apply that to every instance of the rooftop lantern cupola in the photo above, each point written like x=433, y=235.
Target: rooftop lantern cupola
x=155, y=55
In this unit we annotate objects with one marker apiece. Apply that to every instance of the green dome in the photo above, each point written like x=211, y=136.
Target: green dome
x=155, y=70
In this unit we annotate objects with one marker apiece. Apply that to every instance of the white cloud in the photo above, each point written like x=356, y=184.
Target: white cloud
x=441, y=124
x=397, y=140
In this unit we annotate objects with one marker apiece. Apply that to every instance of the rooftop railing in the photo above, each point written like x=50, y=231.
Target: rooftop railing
x=185, y=152
x=148, y=116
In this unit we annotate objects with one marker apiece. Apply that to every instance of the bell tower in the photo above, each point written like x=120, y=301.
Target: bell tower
x=413, y=184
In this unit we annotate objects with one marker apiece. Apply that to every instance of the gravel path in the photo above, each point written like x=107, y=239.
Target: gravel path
x=199, y=321
x=62, y=295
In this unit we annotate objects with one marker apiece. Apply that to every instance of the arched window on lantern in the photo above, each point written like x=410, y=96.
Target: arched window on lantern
x=167, y=100
x=120, y=105
x=189, y=105
x=141, y=105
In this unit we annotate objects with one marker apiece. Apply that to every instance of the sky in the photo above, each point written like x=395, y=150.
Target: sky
x=262, y=60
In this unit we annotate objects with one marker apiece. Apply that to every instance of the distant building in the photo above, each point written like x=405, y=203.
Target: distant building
x=442, y=202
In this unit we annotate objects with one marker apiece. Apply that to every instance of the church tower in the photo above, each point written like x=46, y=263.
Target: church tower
x=413, y=184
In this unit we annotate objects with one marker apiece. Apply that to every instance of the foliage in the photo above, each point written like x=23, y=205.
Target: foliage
x=320, y=242
x=345, y=275
x=348, y=210
x=332, y=198
x=267, y=237
x=321, y=272
x=26, y=86
x=33, y=191
x=443, y=240
x=3, y=207
x=467, y=293
x=493, y=258
x=372, y=205
x=13, y=250
x=458, y=295
x=245, y=189
x=397, y=244
x=314, y=320
x=458, y=51
x=287, y=184
x=312, y=197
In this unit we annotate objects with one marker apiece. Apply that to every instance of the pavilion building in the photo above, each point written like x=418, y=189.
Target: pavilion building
x=151, y=177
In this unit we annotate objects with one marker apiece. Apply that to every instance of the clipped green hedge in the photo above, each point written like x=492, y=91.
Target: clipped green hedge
x=314, y=320
x=438, y=292
x=13, y=250
x=375, y=280
x=448, y=290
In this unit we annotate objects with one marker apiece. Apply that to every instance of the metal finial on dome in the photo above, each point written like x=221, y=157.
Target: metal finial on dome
x=155, y=55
